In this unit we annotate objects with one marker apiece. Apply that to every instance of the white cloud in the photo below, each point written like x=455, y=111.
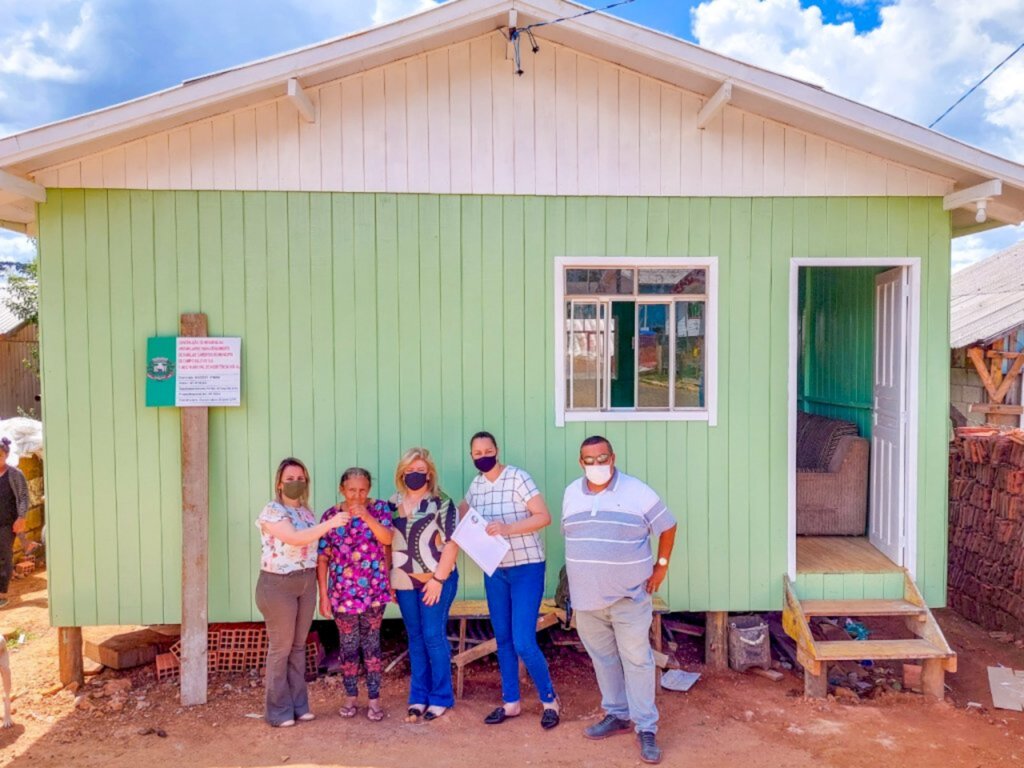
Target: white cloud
x=15, y=247
x=922, y=57
x=972, y=248
x=45, y=51
x=389, y=10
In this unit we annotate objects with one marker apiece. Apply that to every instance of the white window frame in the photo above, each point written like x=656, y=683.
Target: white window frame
x=710, y=411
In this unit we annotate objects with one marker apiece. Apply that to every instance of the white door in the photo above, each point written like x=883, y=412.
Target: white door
x=889, y=415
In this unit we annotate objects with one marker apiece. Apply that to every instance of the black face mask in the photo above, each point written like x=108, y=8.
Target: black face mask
x=415, y=480
x=485, y=463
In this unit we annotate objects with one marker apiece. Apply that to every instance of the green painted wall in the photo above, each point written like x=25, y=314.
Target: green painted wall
x=375, y=322
x=837, y=313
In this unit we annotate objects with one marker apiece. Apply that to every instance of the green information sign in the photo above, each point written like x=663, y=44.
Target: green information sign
x=193, y=371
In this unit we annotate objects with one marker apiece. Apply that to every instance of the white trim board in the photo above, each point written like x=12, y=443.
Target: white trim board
x=710, y=412
x=913, y=264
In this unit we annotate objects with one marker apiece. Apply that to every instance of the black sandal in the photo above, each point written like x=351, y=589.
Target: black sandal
x=549, y=719
x=496, y=717
x=414, y=713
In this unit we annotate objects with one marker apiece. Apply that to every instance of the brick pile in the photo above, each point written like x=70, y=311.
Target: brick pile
x=986, y=527
x=234, y=648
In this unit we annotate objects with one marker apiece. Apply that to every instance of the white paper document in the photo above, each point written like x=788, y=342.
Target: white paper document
x=471, y=535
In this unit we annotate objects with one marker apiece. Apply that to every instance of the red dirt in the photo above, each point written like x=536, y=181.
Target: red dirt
x=726, y=719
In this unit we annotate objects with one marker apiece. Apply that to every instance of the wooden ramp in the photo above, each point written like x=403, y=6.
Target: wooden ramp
x=929, y=645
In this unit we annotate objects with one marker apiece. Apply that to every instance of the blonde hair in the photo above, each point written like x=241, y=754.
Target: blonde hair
x=414, y=454
x=291, y=462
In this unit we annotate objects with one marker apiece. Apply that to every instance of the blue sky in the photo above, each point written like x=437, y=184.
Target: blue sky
x=912, y=58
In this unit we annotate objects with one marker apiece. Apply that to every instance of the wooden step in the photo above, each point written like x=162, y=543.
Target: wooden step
x=852, y=650
x=861, y=608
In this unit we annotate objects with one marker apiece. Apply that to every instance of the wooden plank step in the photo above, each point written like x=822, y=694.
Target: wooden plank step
x=853, y=650
x=861, y=608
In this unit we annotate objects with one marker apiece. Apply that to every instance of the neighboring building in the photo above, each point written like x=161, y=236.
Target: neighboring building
x=987, y=314
x=636, y=237
x=19, y=346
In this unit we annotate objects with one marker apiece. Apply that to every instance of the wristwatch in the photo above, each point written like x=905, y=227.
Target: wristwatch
x=663, y=561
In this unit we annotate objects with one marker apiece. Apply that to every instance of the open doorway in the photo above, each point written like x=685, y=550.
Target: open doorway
x=853, y=340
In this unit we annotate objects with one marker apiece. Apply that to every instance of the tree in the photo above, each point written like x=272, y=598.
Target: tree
x=23, y=292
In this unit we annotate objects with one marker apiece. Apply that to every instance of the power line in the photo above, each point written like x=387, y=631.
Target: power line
x=975, y=86
x=516, y=32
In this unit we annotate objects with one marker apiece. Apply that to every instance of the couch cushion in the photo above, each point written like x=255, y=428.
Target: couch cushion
x=817, y=438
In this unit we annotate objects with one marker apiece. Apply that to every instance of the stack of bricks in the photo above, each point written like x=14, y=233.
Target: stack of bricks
x=986, y=527
x=235, y=648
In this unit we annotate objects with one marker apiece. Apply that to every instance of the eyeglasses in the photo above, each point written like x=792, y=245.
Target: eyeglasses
x=603, y=458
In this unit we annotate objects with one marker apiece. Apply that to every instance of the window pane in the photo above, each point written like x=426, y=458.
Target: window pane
x=690, y=354
x=660, y=281
x=653, y=350
x=606, y=282
x=585, y=344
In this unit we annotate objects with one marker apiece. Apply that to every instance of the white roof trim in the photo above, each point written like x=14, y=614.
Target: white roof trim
x=647, y=51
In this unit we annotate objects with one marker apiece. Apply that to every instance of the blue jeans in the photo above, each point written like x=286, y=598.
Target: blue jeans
x=430, y=656
x=513, y=599
x=617, y=638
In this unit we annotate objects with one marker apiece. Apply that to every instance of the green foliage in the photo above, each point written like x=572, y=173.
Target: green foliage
x=23, y=292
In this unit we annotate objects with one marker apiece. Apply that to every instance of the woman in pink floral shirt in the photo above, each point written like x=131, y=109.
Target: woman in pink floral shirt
x=352, y=571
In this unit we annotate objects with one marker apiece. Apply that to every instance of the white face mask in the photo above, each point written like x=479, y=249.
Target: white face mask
x=598, y=474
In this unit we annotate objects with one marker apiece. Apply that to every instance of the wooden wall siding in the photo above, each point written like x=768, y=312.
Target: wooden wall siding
x=18, y=385
x=837, y=361
x=375, y=322
x=457, y=120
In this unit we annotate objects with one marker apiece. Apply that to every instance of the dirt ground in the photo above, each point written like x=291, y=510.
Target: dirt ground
x=726, y=719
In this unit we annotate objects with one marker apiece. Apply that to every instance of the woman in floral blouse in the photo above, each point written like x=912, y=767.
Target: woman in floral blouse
x=352, y=571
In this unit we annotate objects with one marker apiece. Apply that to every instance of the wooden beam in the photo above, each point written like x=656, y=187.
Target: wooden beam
x=195, y=514
x=69, y=652
x=716, y=640
x=1008, y=379
x=933, y=679
x=977, y=356
x=302, y=102
x=816, y=685
x=983, y=191
x=22, y=187
x=714, y=105
x=997, y=408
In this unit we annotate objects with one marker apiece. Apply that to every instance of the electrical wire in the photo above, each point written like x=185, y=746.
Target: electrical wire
x=516, y=33
x=975, y=86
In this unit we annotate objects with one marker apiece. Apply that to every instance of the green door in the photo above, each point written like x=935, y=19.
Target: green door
x=623, y=391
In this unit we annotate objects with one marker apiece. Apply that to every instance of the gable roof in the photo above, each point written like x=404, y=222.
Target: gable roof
x=688, y=66
x=987, y=298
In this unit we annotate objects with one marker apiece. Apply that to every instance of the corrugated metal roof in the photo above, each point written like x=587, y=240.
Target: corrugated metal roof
x=987, y=298
x=8, y=320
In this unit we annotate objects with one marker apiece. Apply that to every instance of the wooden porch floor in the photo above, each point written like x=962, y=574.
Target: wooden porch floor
x=840, y=554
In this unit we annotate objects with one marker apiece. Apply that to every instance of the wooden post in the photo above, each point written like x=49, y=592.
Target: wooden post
x=716, y=640
x=816, y=685
x=195, y=512
x=69, y=652
x=933, y=678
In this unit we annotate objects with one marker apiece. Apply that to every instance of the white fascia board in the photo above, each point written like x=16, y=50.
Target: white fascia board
x=260, y=76
x=714, y=106
x=301, y=100
x=22, y=187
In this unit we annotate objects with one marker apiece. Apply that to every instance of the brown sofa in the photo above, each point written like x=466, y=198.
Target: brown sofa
x=831, y=477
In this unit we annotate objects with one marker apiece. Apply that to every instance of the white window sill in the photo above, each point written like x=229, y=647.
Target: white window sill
x=575, y=416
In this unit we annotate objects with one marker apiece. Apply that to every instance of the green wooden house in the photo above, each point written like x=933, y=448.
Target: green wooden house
x=633, y=236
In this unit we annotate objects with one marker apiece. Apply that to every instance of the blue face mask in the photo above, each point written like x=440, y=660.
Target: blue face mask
x=415, y=480
x=485, y=463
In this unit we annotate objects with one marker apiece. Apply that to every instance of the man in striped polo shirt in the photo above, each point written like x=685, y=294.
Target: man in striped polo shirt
x=608, y=519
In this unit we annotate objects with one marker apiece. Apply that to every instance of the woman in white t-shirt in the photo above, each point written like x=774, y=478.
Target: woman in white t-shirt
x=286, y=590
x=508, y=500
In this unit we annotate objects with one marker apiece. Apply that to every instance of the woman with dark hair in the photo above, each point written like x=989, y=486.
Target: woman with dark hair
x=508, y=500
x=13, y=508
x=286, y=590
x=425, y=581
x=352, y=572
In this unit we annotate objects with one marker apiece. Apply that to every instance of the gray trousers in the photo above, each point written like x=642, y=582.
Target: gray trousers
x=287, y=603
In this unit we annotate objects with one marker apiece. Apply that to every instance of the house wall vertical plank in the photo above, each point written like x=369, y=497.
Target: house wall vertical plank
x=353, y=171
x=330, y=136
x=587, y=142
x=396, y=128
x=460, y=118
x=374, y=128
x=503, y=125
x=179, y=160
x=418, y=114
x=438, y=122
x=310, y=143
x=481, y=116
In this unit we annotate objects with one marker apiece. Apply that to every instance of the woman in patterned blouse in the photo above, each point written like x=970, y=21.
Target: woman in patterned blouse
x=507, y=498
x=286, y=590
x=353, y=576
x=425, y=581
